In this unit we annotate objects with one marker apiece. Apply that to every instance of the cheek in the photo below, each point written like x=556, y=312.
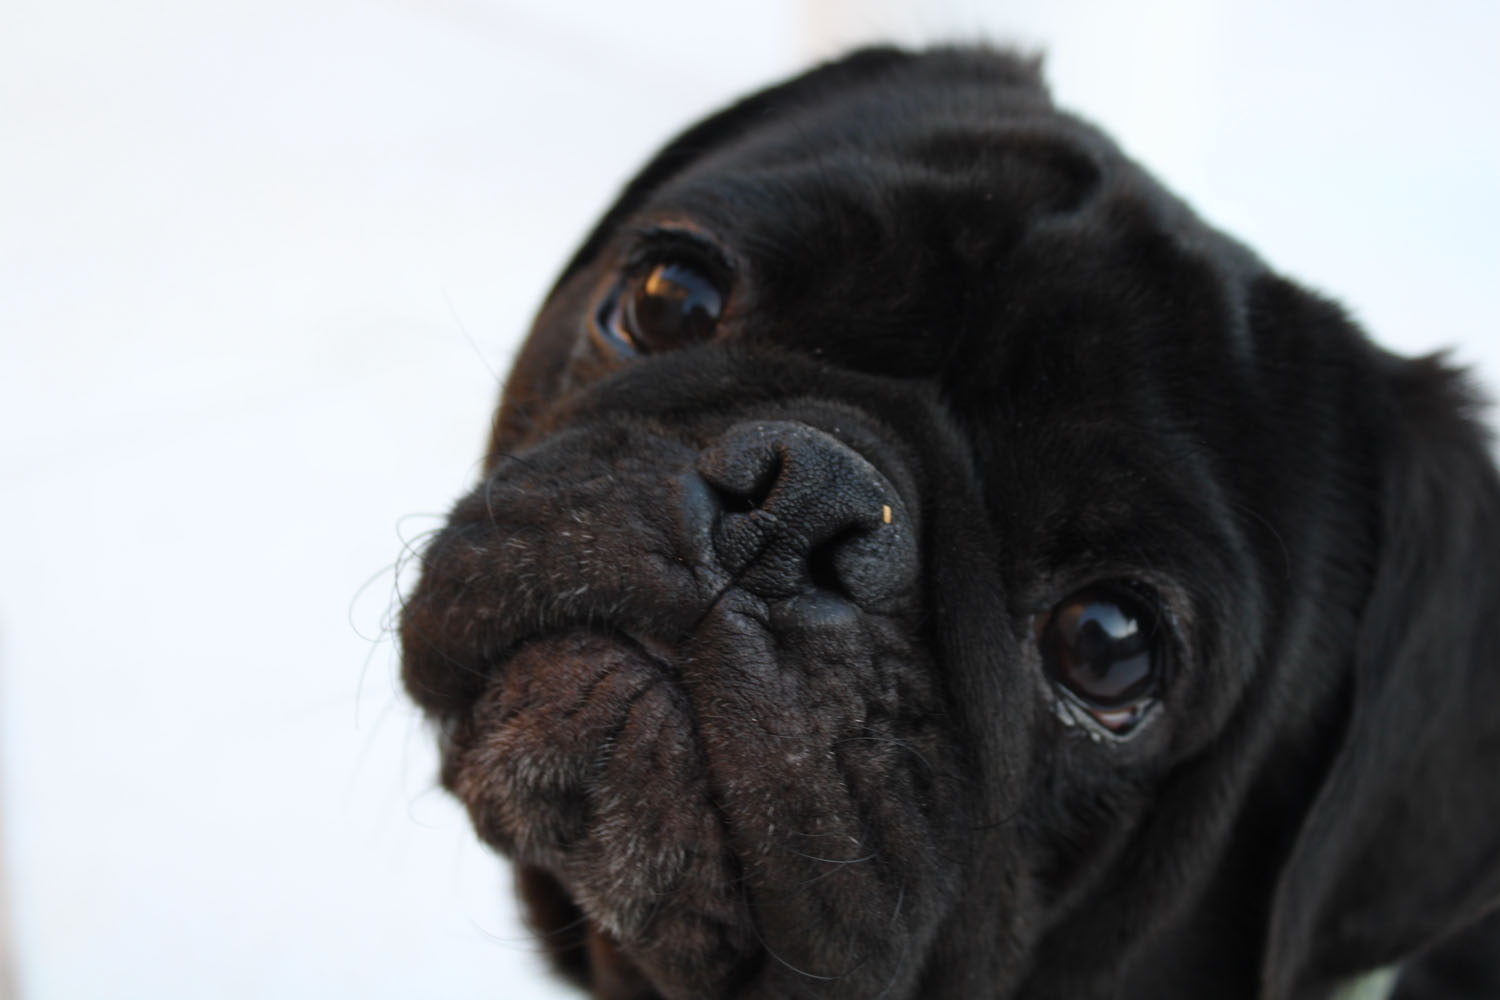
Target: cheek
x=552, y=361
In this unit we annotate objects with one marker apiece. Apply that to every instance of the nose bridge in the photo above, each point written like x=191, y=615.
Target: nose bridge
x=801, y=510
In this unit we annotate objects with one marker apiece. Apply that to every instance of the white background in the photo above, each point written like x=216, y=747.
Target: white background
x=259, y=266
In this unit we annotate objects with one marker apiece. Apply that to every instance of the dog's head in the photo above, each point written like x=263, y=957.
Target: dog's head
x=917, y=557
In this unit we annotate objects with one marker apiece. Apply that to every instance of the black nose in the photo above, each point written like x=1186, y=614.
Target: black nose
x=800, y=510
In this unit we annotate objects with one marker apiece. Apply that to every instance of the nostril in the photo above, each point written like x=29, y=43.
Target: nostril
x=744, y=487
x=822, y=569
x=733, y=503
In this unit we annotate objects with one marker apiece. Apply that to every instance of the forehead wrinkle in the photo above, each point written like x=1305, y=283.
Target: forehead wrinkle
x=896, y=211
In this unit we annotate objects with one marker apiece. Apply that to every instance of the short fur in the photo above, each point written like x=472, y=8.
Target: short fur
x=742, y=739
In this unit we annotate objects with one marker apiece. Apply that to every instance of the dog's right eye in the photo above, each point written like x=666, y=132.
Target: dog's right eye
x=662, y=306
x=1105, y=646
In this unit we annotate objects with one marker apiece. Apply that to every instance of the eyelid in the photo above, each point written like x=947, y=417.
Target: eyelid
x=651, y=244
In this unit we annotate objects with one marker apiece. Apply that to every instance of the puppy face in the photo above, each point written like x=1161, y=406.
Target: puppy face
x=916, y=557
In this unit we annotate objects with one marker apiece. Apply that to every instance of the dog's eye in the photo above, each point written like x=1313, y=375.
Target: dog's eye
x=665, y=305
x=1104, y=646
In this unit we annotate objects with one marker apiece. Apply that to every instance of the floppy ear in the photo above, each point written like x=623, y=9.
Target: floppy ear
x=1402, y=845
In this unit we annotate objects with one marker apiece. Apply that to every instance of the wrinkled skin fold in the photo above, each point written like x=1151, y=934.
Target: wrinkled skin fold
x=737, y=648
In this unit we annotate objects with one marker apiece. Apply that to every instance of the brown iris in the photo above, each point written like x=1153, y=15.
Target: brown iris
x=1105, y=646
x=663, y=306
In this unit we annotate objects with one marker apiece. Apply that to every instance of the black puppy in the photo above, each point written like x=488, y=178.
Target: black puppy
x=917, y=557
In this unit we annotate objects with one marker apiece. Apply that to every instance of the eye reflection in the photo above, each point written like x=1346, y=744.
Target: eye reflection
x=671, y=304
x=1104, y=647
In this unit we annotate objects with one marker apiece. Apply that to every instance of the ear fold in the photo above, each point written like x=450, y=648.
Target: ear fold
x=1402, y=845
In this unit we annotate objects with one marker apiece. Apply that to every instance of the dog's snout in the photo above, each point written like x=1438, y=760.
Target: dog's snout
x=800, y=510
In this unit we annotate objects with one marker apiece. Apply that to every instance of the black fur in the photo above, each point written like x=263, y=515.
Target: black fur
x=744, y=738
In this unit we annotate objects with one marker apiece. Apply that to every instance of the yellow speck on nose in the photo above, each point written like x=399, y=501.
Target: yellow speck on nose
x=885, y=513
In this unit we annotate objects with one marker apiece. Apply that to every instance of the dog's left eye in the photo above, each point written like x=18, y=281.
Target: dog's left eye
x=665, y=305
x=1105, y=646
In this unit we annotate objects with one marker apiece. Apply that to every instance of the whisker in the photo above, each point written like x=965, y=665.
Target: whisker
x=463, y=329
